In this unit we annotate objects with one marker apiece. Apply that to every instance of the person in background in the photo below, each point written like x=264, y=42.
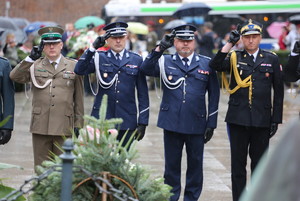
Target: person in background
x=57, y=94
x=70, y=31
x=256, y=99
x=120, y=78
x=10, y=50
x=206, y=41
x=151, y=44
x=292, y=69
x=183, y=115
x=7, y=101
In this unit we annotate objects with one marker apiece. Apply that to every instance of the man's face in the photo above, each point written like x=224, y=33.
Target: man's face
x=117, y=44
x=184, y=47
x=251, y=42
x=52, y=50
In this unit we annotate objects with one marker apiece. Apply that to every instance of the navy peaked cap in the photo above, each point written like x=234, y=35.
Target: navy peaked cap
x=185, y=32
x=116, y=29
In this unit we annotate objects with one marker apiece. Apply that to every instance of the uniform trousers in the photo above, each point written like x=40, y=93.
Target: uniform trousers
x=43, y=145
x=243, y=139
x=173, y=145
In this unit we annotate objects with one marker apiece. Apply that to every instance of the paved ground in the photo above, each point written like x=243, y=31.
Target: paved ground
x=217, y=184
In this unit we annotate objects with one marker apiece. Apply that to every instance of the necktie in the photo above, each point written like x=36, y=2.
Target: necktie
x=118, y=58
x=252, y=58
x=53, y=64
x=186, y=65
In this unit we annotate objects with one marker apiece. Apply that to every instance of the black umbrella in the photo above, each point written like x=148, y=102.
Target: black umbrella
x=295, y=19
x=192, y=9
x=173, y=23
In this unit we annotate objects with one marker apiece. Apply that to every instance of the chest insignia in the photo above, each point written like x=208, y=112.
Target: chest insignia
x=205, y=72
x=131, y=66
x=266, y=65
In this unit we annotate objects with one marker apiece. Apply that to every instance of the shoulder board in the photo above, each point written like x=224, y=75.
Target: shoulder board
x=4, y=58
x=271, y=52
x=134, y=53
x=71, y=59
x=101, y=51
x=203, y=56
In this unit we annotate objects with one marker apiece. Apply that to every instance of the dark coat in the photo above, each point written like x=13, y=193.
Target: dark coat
x=121, y=95
x=266, y=74
x=186, y=113
x=7, y=92
x=292, y=69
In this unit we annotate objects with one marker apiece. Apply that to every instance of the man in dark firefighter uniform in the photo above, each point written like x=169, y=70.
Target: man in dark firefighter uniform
x=252, y=118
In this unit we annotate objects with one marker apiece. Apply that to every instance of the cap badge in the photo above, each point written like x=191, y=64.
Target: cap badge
x=50, y=29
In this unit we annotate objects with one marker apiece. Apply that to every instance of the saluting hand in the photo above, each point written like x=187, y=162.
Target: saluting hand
x=234, y=37
x=100, y=40
x=36, y=51
x=167, y=41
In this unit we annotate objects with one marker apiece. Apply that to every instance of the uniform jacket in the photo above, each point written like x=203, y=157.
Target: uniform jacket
x=292, y=69
x=58, y=108
x=7, y=92
x=266, y=74
x=122, y=94
x=186, y=113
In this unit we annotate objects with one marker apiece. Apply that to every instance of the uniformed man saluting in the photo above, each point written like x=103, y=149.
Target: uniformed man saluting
x=57, y=103
x=119, y=77
x=252, y=117
x=186, y=79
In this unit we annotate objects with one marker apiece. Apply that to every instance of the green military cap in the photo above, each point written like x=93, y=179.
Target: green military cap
x=51, y=34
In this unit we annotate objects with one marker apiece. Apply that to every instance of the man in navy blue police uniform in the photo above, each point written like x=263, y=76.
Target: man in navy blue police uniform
x=7, y=101
x=252, y=118
x=119, y=76
x=186, y=78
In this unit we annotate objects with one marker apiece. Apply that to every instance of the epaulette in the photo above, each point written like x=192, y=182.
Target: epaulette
x=271, y=52
x=203, y=56
x=71, y=59
x=4, y=58
x=135, y=53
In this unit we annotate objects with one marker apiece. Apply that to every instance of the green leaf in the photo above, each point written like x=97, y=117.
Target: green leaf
x=4, y=121
x=5, y=190
x=5, y=166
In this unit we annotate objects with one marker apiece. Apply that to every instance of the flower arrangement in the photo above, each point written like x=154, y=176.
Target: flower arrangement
x=80, y=42
x=97, y=150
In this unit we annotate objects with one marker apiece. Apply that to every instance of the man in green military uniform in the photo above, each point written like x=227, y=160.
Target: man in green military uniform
x=256, y=99
x=57, y=103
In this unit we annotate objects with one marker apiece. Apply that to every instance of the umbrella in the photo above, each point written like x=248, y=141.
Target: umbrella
x=34, y=26
x=275, y=29
x=137, y=28
x=192, y=9
x=174, y=23
x=82, y=23
x=295, y=19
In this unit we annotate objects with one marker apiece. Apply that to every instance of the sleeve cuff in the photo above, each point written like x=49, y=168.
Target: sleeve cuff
x=28, y=59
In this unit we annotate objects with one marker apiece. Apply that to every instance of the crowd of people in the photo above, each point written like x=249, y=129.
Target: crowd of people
x=186, y=116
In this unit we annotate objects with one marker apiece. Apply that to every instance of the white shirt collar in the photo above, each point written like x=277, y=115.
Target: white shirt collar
x=121, y=53
x=254, y=54
x=189, y=57
x=57, y=61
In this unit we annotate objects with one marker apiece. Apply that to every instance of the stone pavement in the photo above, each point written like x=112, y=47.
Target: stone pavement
x=217, y=184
